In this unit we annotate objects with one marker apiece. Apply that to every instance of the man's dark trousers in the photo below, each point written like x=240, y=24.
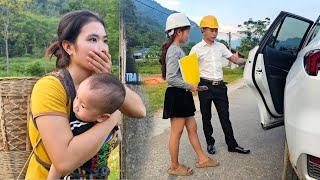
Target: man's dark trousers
x=218, y=95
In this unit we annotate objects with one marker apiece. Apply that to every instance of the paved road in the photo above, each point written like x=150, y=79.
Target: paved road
x=265, y=161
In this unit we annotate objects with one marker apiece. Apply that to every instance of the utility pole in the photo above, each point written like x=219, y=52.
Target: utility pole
x=229, y=40
x=123, y=52
x=122, y=72
x=229, y=43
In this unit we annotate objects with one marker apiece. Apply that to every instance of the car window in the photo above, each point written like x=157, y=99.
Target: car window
x=315, y=31
x=289, y=37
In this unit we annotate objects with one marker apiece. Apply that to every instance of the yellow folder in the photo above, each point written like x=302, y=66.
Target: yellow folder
x=189, y=67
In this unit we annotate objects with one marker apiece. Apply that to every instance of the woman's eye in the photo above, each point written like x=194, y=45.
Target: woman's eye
x=82, y=106
x=93, y=39
x=106, y=41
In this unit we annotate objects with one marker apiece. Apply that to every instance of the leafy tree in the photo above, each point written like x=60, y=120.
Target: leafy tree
x=187, y=47
x=253, y=31
x=154, y=52
x=128, y=13
x=224, y=42
x=27, y=27
x=10, y=13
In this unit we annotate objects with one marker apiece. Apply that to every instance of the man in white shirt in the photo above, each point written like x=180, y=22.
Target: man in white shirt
x=211, y=54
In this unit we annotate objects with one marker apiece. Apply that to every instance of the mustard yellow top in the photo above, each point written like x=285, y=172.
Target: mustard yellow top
x=48, y=98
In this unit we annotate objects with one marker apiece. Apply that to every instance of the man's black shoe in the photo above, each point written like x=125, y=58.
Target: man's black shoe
x=211, y=149
x=239, y=149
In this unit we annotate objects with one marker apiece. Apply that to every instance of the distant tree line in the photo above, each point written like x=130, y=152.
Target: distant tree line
x=27, y=27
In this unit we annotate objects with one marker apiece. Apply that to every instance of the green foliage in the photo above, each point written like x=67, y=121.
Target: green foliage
x=35, y=68
x=139, y=29
x=187, y=47
x=253, y=31
x=27, y=66
x=230, y=75
x=28, y=33
x=149, y=67
x=31, y=24
x=224, y=42
x=114, y=164
x=154, y=52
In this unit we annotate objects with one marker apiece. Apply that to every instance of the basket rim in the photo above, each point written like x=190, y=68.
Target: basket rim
x=19, y=77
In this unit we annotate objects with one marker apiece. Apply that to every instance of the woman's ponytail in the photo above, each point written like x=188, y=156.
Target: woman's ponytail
x=56, y=49
x=162, y=59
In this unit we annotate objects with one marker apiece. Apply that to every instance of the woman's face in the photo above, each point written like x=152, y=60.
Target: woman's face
x=92, y=38
x=184, y=35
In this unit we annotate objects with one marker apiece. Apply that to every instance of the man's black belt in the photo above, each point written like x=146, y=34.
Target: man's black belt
x=214, y=83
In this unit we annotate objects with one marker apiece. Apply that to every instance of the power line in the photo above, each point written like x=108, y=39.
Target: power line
x=152, y=7
x=192, y=26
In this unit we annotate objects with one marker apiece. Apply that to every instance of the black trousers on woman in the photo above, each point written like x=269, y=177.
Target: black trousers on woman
x=216, y=93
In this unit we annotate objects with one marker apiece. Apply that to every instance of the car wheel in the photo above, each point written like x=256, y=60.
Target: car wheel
x=288, y=171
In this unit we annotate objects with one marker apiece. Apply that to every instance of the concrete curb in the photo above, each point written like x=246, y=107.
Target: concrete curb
x=161, y=125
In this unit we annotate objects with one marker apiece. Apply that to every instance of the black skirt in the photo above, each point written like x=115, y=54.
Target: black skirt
x=178, y=103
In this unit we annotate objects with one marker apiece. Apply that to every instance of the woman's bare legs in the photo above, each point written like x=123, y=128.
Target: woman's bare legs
x=191, y=127
x=177, y=125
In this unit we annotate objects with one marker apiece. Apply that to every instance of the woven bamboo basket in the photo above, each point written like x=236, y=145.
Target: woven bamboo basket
x=14, y=111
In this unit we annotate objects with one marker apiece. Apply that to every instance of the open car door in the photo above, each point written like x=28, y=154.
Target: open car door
x=269, y=63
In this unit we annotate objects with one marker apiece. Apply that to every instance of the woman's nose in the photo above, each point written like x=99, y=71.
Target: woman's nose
x=104, y=48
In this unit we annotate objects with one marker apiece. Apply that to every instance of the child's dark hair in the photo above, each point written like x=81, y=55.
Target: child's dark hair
x=165, y=48
x=69, y=28
x=110, y=88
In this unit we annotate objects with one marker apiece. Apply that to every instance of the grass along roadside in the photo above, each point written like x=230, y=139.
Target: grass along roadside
x=31, y=66
x=155, y=92
x=114, y=164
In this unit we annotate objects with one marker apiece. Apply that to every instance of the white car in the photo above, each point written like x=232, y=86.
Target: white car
x=282, y=72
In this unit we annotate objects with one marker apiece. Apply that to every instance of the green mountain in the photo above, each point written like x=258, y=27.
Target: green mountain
x=154, y=16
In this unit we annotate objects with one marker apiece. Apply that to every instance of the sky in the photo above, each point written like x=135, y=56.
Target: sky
x=231, y=13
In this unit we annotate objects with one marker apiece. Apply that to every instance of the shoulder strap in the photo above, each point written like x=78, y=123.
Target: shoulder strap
x=70, y=89
x=28, y=159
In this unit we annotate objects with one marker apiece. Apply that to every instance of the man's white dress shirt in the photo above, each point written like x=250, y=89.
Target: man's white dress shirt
x=211, y=59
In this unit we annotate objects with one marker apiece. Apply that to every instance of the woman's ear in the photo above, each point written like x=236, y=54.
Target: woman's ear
x=179, y=32
x=68, y=47
x=103, y=117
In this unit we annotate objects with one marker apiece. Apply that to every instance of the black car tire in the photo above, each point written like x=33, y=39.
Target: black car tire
x=288, y=172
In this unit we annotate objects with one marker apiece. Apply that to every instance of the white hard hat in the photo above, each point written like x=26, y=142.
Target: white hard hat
x=176, y=20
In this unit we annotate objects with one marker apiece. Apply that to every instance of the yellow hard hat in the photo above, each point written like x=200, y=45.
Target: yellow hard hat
x=209, y=22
